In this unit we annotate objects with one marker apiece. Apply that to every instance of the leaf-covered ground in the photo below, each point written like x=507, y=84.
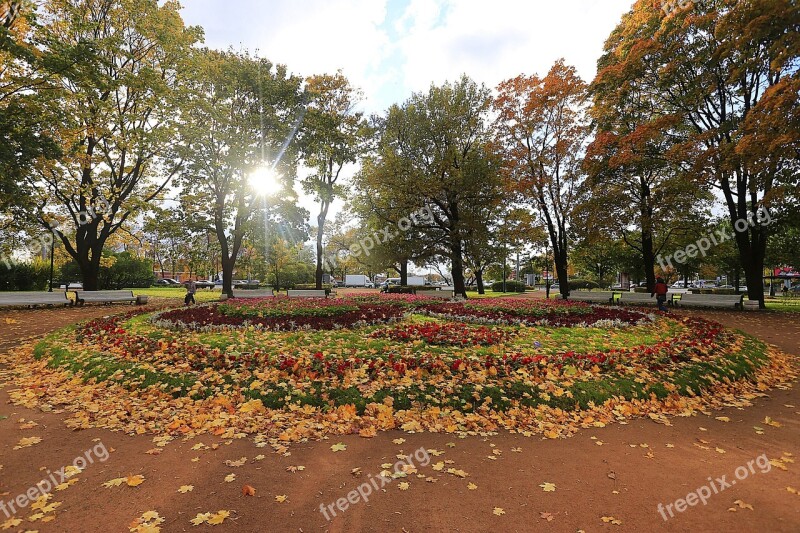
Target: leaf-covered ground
x=604, y=477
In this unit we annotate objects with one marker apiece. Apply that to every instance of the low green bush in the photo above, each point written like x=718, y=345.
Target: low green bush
x=575, y=284
x=510, y=286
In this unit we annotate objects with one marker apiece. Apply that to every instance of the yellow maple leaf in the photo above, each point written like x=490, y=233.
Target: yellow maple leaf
x=116, y=482
x=280, y=498
x=498, y=511
x=27, y=441
x=218, y=517
x=548, y=487
x=472, y=486
x=723, y=419
x=186, y=488
x=399, y=441
x=134, y=481
x=230, y=477
x=339, y=447
x=200, y=518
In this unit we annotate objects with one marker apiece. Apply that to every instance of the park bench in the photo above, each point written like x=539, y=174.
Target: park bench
x=254, y=293
x=311, y=293
x=31, y=298
x=602, y=297
x=710, y=300
x=638, y=298
x=433, y=293
x=107, y=297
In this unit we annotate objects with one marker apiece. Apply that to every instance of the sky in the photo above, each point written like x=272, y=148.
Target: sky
x=393, y=48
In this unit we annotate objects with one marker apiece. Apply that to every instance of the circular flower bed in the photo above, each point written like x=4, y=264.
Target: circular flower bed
x=294, y=369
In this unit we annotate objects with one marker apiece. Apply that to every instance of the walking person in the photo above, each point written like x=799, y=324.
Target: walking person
x=660, y=292
x=191, y=288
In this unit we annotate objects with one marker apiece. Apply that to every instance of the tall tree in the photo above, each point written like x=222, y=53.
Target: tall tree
x=543, y=125
x=242, y=110
x=333, y=136
x=434, y=154
x=728, y=72
x=113, y=115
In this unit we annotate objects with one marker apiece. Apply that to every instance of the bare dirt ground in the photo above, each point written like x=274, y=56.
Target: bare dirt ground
x=621, y=471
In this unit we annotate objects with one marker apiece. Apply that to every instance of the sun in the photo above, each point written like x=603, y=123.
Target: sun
x=264, y=180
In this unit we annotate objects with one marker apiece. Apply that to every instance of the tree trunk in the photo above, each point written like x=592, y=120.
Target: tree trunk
x=457, y=269
x=649, y=259
x=479, y=281
x=404, y=272
x=323, y=213
x=227, y=275
x=560, y=260
x=90, y=271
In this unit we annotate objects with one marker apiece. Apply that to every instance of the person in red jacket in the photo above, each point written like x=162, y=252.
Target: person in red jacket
x=660, y=291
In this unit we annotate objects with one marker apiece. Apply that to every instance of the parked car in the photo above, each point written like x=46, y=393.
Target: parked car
x=680, y=284
x=202, y=284
x=167, y=282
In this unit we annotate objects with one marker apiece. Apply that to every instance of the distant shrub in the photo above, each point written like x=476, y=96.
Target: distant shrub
x=28, y=276
x=575, y=284
x=511, y=286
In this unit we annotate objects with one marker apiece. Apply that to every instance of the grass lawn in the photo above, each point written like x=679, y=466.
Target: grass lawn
x=491, y=294
x=202, y=295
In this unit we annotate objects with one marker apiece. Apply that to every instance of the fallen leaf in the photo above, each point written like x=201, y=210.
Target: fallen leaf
x=403, y=486
x=548, y=487
x=743, y=505
x=280, y=499
x=186, y=488
x=230, y=477
x=547, y=516
x=498, y=511
x=248, y=490
x=339, y=447
x=472, y=486
x=27, y=441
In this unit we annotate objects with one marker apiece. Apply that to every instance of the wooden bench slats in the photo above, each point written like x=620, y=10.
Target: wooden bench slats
x=254, y=294
x=312, y=293
x=82, y=297
x=600, y=297
x=710, y=300
x=34, y=298
x=638, y=298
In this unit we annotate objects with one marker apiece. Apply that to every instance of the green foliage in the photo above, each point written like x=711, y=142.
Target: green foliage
x=575, y=284
x=25, y=276
x=119, y=271
x=510, y=285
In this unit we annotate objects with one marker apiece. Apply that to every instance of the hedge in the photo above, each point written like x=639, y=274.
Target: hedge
x=510, y=286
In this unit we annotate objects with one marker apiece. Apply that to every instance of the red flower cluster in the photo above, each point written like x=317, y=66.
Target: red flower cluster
x=331, y=317
x=446, y=334
x=556, y=313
